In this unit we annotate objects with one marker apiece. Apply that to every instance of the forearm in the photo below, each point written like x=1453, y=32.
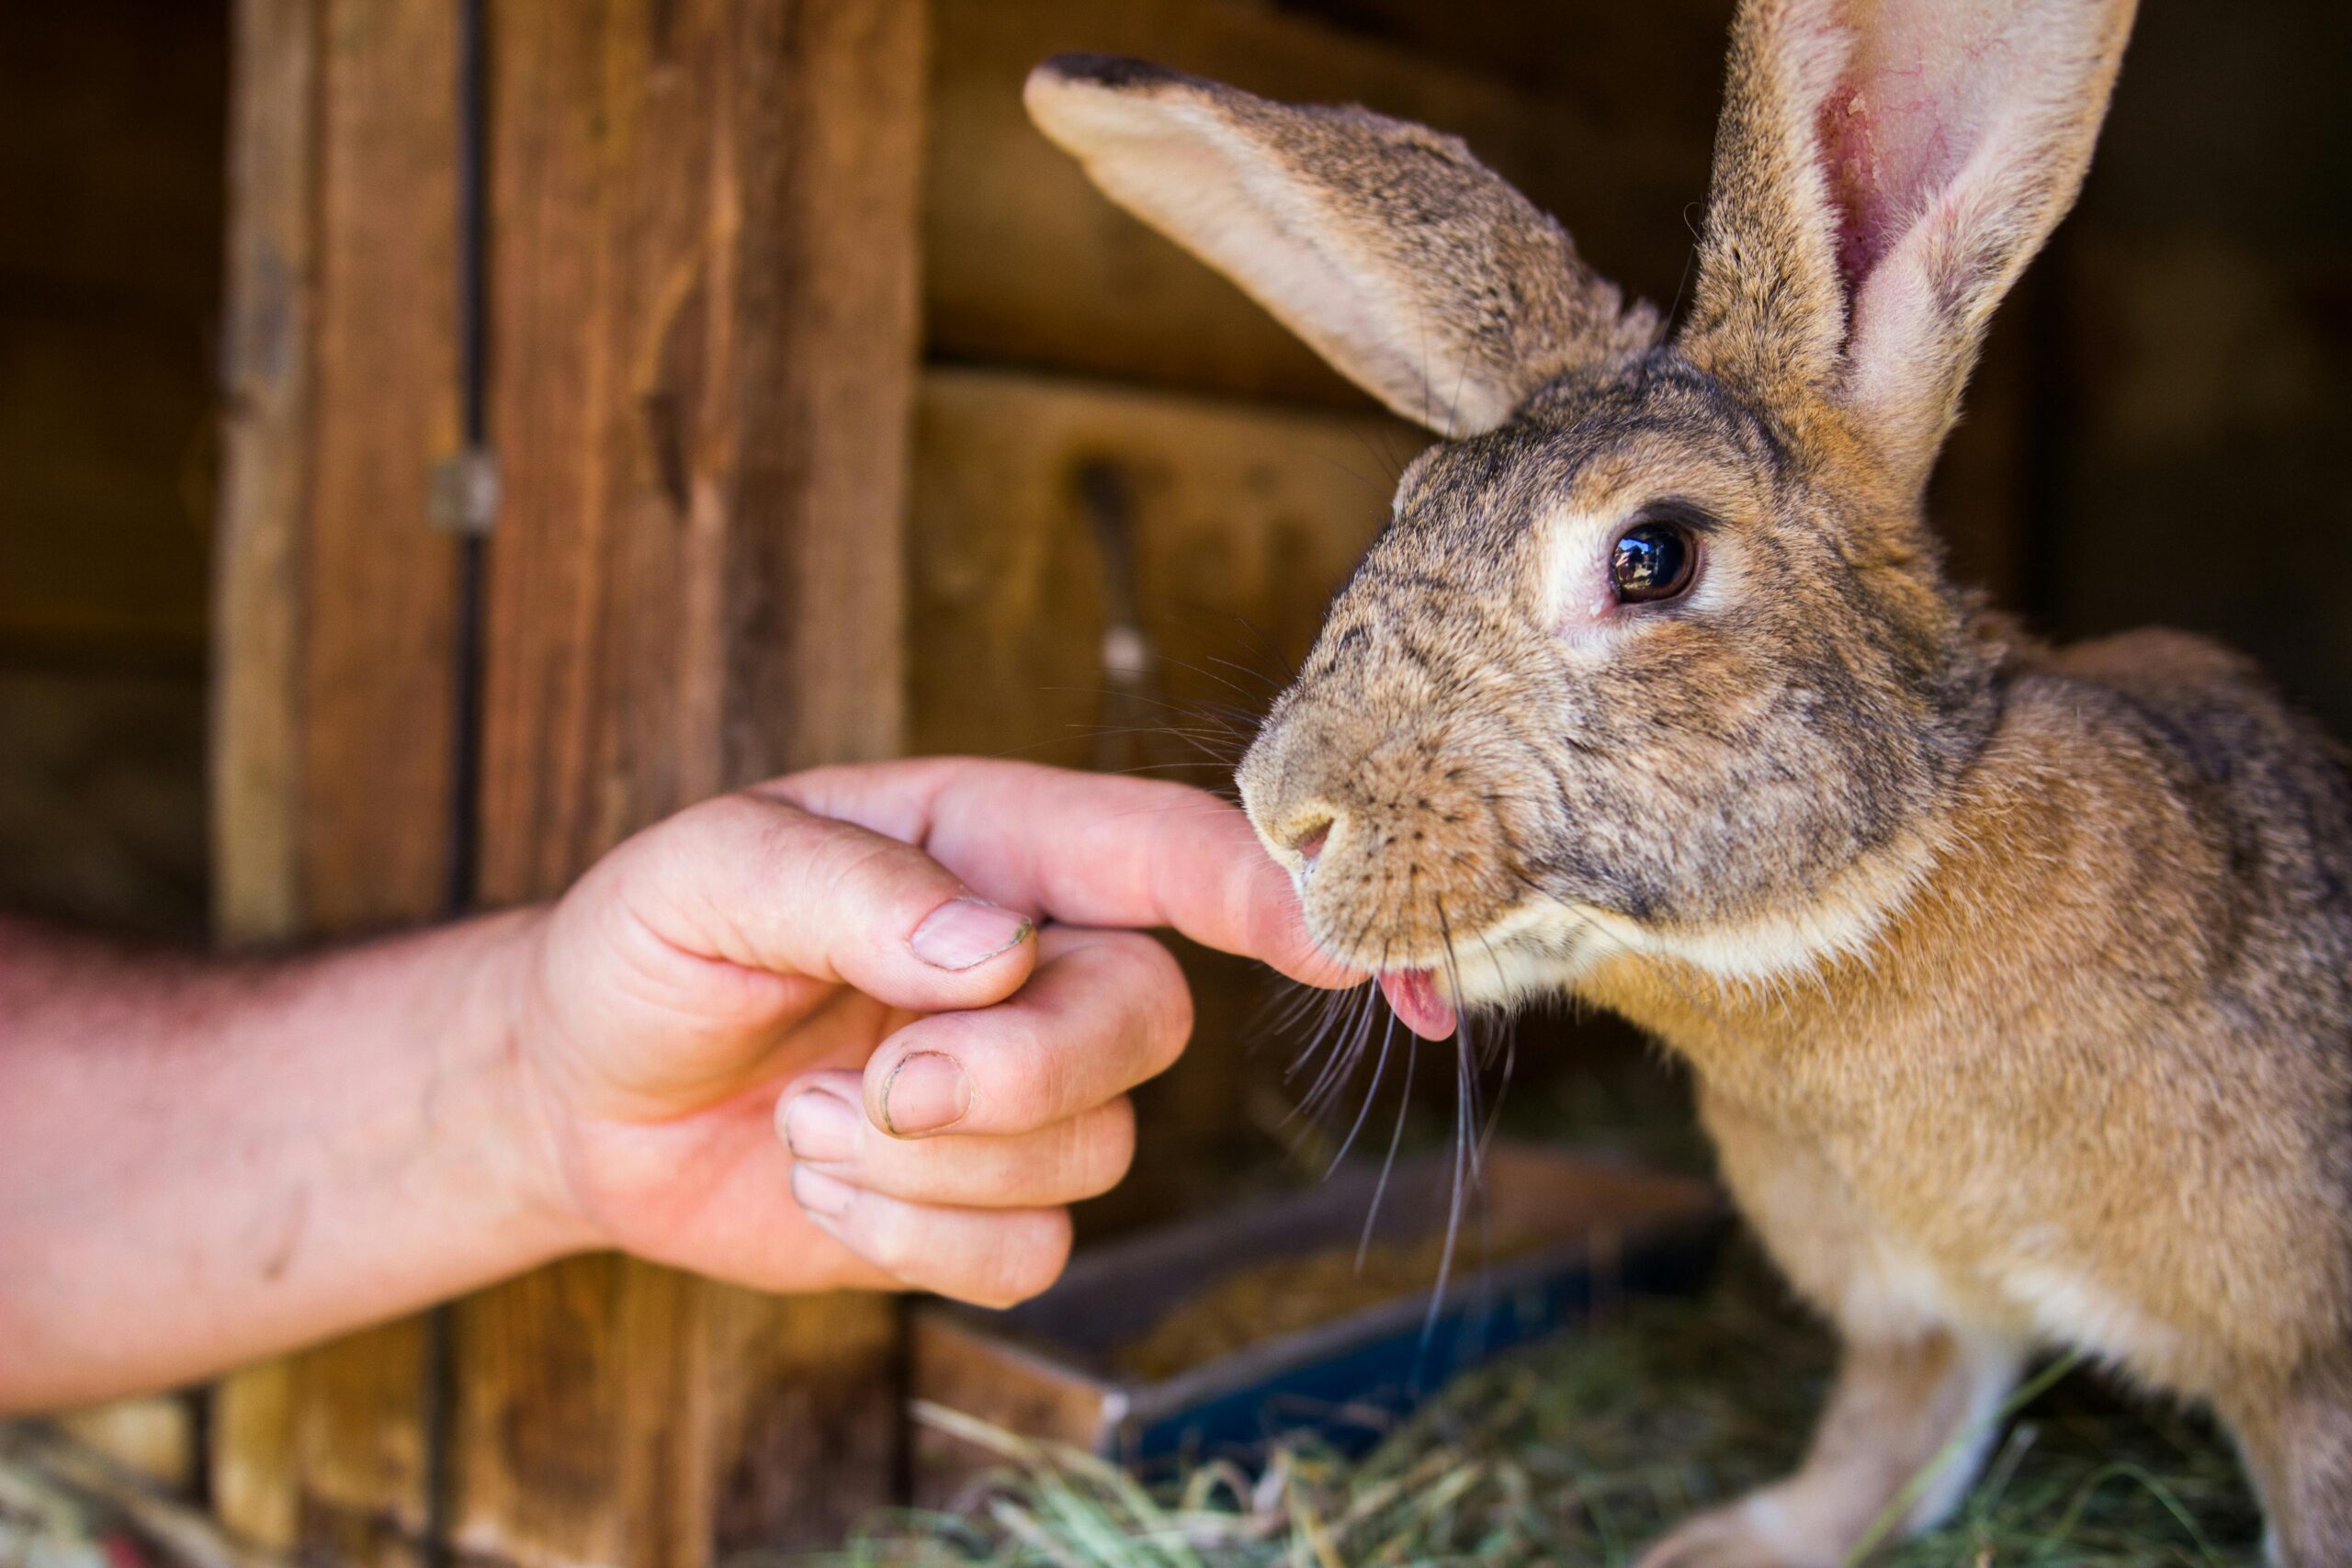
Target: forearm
x=202, y=1163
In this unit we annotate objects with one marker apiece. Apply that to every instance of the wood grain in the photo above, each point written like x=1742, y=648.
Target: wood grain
x=1246, y=518
x=335, y=739
x=265, y=482
x=705, y=306
x=379, y=579
x=264, y=487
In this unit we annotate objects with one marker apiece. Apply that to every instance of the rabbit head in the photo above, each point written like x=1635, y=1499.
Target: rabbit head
x=1655, y=651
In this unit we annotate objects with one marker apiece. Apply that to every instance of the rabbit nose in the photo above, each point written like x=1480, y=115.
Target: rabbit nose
x=1308, y=839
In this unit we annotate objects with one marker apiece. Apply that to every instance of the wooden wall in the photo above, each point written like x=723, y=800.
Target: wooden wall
x=747, y=524
x=702, y=354
x=836, y=414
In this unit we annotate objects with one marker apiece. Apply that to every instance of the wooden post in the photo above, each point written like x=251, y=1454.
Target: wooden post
x=703, y=332
x=704, y=310
x=335, y=629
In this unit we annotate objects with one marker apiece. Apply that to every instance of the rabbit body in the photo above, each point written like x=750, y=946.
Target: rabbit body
x=2089, y=1085
x=2090, y=1080
x=2016, y=981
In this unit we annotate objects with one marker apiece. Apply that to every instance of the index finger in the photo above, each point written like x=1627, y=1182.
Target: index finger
x=1086, y=849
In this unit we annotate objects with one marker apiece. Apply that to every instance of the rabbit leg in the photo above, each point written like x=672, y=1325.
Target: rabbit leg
x=2296, y=1436
x=1897, y=1407
x=1913, y=1393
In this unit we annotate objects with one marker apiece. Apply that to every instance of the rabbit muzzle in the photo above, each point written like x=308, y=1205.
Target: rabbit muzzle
x=1397, y=828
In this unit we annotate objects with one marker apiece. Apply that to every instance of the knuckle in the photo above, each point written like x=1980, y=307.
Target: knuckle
x=740, y=826
x=860, y=873
x=1101, y=1149
x=1167, y=1009
x=1050, y=1080
x=1155, y=1002
x=1019, y=1073
x=750, y=843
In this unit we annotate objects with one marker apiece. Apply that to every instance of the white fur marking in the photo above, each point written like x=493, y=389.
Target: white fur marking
x=1842, y=920
x=2070, y=1308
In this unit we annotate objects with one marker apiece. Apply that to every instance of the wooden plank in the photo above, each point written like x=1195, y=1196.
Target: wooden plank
x=381, y=579
x=379, y=590
x=265, y=482
x=705, y=312
x=1026, y=264
x=337, y=631
x=1245, y=519
x=1241, y=520
x=264, y=495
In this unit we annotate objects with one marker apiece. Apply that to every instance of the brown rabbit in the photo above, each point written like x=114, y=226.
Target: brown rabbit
x=2016, y=981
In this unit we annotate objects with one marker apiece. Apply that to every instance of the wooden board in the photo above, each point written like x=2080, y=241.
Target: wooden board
x=1026, y=264
x=704, y=300
x=335, y=628
x=1245, y=519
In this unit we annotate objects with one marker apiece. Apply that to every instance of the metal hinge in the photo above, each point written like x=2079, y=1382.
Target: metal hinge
x=463, y=496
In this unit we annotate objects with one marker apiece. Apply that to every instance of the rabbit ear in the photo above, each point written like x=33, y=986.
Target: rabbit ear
x=1884, y=169
x=1397, y=255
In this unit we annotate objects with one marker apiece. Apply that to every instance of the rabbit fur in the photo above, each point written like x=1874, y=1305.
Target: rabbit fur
x=2016, y=980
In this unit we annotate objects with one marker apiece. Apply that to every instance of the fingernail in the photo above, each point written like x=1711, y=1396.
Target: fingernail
x=967, y=931
x=924, y=1093
x=819, y=1126
x=818, y=1194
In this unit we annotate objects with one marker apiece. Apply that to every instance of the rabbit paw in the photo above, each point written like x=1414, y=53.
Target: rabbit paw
x=1731, y=1536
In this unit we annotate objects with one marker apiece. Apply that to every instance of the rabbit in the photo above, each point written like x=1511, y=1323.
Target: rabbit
x=2015, y=980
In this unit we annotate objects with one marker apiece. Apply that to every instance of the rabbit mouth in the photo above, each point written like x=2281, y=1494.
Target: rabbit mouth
x=1414, y=996
x=1523, y=954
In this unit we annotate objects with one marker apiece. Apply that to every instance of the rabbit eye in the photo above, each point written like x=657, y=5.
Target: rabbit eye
x=1652, y=561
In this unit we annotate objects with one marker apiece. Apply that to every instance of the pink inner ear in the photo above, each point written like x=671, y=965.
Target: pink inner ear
x=1908, y=111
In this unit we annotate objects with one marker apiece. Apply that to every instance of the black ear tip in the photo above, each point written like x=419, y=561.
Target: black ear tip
x=1110, y=69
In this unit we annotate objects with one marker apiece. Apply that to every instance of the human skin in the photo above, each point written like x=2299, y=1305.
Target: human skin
x=923, y=978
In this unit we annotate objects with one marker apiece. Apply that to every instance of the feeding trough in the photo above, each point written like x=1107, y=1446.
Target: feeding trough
x=1208, y=1336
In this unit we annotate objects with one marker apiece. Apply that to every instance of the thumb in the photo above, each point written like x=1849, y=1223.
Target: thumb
x=748, y=880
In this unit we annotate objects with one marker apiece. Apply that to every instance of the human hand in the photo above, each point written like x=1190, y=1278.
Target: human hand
x=851, y=959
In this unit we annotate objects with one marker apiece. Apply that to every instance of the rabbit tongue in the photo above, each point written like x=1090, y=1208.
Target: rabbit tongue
x=1413, y=994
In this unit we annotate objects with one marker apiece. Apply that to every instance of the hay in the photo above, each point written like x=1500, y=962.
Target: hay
x=1581, y=1452
x=62, y=1505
